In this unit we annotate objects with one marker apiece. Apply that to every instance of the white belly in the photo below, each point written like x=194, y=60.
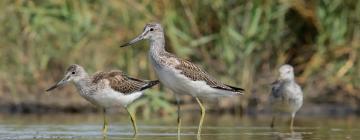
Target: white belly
x=180, y=84
x=286, y=105
x=107, y=98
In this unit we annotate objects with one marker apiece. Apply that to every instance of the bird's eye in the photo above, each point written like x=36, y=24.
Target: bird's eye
x=151, y=29
x=73, y=72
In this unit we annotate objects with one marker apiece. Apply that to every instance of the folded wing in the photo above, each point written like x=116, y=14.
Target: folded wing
x=195, y=73
x=120, y=82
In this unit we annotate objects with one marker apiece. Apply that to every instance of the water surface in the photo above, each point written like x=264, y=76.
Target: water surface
x=86, y=127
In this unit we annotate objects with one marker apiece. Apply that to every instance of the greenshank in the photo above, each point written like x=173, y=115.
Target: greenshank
x=179, y=75
x=106, y=89
x=286, y=95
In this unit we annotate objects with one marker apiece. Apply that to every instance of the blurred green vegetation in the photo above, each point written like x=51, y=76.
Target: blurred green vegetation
x=240, y=42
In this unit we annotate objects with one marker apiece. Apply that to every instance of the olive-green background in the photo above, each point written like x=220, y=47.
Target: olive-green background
x=239, y=42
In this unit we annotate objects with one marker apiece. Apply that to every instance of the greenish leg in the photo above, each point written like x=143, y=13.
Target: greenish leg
x=292, y=121
x=202, y=116
x=105, y=137
x=272, y=121
x=105, y=125
x=179, y=115
x=133, y=121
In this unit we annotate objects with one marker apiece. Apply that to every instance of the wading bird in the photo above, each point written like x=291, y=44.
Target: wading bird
x=286, y=95
x=106, y=89
x=179, y=75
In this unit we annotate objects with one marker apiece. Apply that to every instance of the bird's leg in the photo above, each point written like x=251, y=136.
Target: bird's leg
x=133, y=121
x=105, y=137
x=178, y=115
x=272, y=121
x=105, y=125
x=292, y=121
x=202, y=116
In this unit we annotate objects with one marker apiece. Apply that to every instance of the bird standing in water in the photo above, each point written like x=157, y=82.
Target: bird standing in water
x=286, y=95
x=106, y=89
x=179, y=75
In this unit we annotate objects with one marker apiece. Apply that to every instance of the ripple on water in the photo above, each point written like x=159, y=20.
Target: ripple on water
x=308, y=130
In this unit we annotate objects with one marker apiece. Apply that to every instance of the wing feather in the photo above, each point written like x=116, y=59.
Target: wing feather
x=195, y=73
x=120, y=82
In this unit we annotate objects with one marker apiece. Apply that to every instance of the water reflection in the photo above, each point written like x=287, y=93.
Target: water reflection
x=288, y=136
x=86, y=127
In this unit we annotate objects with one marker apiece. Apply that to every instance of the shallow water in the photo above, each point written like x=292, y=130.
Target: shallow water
x=86, y=127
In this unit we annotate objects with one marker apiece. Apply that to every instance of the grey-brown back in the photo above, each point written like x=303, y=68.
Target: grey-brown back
x=120, y=82
x=195, y=73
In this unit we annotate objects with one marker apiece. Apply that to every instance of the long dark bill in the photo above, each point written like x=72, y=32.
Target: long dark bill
x=137, y=39
x=58, y=84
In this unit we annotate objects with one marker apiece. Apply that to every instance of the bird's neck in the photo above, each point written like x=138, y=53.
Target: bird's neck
x=83, y=82
x=289, y=80
x=157, y=50
x=157, y=45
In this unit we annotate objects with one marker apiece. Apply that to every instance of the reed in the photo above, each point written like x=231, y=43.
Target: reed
x=240, y=42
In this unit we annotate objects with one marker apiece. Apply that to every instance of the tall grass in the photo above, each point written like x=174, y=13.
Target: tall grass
x=239, y=42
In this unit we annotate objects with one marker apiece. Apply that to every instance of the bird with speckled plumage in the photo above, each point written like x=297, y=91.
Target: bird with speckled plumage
x=106, y=89
x=179, y=75
x=286, y=95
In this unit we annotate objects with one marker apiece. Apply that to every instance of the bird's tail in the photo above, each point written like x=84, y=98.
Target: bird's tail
x=237, y=89
x=150, y=84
